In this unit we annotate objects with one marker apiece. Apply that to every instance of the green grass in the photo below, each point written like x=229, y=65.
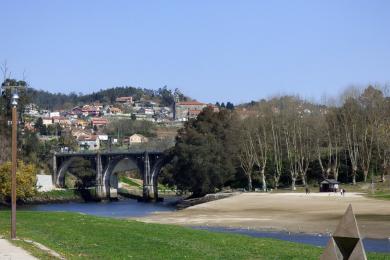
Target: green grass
x=35, y=251
x=381, y=195
x=130, y=182
x=58, y=194
x=77, y=236
x=138, y=184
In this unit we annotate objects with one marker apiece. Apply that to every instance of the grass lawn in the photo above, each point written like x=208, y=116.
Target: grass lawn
x=78, y=236
x=58, y=194
x=381, y=195
x=130, y=182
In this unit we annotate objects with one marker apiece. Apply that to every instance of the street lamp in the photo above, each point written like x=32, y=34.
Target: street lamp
x=14, y=103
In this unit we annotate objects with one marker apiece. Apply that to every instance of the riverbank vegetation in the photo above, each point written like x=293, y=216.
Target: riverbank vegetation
x=284, y=142
x=25, y=180
x=77, y=236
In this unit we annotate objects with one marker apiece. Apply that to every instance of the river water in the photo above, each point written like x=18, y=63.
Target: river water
x=132, y=208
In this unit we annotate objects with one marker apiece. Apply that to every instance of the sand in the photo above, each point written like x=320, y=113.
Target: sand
x=294, y=212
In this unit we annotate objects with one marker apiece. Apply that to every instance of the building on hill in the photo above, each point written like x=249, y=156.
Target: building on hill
x=88, y=110
x=88, y=142
x=114, y=110
x=55, y=114
x=79, y=132
x=124, y=100
x=62, y=121
x=137, y=139
x=80, y=123
x=99, y=121
x=47, y=121
x=185, y=110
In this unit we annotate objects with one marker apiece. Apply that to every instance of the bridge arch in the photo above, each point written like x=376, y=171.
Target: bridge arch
x=112, y=168
x=60, y=176
x=104, y=164
x=160, y=162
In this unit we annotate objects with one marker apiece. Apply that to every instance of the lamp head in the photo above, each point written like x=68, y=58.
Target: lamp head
x=14, y=99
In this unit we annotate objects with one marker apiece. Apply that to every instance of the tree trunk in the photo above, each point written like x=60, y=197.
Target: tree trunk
x=383, y=178
x=293, y=179
x=354, y=176
x=365, y=172
x=335, y=173
x=276, y=183
x=303, y=179
x=249, y=182
x=263, y=180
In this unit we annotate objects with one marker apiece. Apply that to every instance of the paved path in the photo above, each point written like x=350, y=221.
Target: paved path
x=10, y=252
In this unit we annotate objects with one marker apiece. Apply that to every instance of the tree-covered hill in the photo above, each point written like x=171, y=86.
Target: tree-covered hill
x=47, y=100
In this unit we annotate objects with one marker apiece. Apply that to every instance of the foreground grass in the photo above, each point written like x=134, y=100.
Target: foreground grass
x=78, y=236
x=38, y=253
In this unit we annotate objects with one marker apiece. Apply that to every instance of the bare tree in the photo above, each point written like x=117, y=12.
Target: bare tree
x=260, y=151
x=290, y=134
x=373, y=106
x=349, y=113
x=277, y=153
x=5, y=70
x=246, y=156
x=329, y=143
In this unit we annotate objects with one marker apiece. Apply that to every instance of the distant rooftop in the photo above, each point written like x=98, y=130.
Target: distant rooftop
x=190, y=103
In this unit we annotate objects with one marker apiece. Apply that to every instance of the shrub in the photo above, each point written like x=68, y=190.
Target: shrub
x=25, y=181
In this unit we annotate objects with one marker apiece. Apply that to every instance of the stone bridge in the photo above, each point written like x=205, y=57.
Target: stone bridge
x=106, y=165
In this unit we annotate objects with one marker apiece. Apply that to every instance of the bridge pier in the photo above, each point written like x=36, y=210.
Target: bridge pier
x=101, y=190
x=147, y=185
x=54, y=175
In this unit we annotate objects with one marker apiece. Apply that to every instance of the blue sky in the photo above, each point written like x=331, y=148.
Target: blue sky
x=212, y=50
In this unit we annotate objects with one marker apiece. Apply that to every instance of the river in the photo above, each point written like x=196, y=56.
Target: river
x=132, y=208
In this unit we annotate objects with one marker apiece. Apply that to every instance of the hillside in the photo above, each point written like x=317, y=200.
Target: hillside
x=47, y=100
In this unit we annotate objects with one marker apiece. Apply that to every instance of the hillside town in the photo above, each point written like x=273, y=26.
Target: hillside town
x=88, y=123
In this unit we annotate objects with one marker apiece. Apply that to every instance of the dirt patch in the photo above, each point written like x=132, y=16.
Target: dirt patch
x=295, y=212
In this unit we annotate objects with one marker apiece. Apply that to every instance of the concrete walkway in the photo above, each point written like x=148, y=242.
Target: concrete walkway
x=10, y=252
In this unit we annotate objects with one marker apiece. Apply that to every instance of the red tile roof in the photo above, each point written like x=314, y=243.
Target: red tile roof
x=190, y=103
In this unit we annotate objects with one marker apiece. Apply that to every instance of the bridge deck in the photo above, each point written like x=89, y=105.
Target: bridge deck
x=122, y=152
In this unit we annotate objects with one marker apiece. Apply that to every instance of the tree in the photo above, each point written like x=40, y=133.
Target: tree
x=329, y=143
x=25, y=181
x=261, y=152
x=373, y=105
x=247, y=156
x=349, y=119
x=40, y=127
x=229, y=106
x=204, y=153
x=277, y=152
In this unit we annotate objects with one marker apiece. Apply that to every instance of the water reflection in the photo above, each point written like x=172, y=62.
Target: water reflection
x=116, y=209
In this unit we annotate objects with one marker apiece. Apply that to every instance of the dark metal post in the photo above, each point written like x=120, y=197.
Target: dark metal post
x=14, y=163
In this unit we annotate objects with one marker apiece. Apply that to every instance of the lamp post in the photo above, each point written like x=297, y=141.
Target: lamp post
x=14, y=103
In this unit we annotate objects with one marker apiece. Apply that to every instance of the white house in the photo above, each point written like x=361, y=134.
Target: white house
x=89, y=142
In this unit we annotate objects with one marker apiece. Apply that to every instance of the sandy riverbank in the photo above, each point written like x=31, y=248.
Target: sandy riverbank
x=295, y=212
